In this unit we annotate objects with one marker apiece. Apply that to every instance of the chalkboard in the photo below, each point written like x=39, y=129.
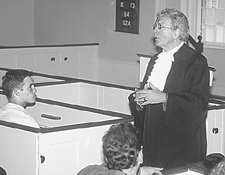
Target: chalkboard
x=127, y=16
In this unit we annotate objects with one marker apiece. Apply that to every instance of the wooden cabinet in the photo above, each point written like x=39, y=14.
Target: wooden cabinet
x=18, y=148
x=78, y=61
x=68, y=151
x=50, y=151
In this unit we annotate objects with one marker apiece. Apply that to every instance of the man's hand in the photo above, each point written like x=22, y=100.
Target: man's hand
x=150, y=96
x=147, y=170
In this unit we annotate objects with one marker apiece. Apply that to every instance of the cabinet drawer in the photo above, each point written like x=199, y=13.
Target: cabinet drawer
x=25, y=60
x=49, y=59
x=70, y=60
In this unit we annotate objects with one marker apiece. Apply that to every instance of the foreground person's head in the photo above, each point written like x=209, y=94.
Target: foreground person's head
x=121, y=148
x=214, y=164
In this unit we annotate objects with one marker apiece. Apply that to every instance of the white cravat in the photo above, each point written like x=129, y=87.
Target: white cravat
x=162, y=67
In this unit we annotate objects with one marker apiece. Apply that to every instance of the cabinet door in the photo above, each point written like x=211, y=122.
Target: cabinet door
x=218, y=130
x=26, y=60
x=18, y=151
x=48, y=61
x=215, y=131
x=88, y=63
x=67, y=152
x=70, y=62
x=80, y=62
x=8, y=60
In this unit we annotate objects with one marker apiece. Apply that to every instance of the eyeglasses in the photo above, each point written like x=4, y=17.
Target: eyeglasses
x=159, y=26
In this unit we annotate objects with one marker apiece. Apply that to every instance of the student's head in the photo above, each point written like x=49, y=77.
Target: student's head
x=214, y=164
x=18, y=86
x=121, y=147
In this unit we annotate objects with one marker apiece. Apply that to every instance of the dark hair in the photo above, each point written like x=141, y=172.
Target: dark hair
x=214, y=164
x=178, y=21
x=14, y=79
x=121, y=146
x=219, y=169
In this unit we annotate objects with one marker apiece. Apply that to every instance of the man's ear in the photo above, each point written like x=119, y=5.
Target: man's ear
x=176, y=34
x=16, y=92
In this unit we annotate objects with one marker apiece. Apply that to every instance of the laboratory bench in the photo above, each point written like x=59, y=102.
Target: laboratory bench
x=74, y=114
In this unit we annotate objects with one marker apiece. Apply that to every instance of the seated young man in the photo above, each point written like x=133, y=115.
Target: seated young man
x=18, y=86
x=122, y=154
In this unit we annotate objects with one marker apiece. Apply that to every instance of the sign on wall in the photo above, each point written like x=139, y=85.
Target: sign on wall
x=127, y=16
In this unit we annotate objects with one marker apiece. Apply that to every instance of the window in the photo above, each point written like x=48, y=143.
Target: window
x=213, y=22
x=206, y=18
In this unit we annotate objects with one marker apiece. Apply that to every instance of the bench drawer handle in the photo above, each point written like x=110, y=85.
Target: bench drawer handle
x=215, y=130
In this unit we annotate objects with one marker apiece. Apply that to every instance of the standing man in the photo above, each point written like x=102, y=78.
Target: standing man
x=18, y=86
x=174, y=96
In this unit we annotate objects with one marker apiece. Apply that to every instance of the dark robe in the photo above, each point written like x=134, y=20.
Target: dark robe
x=177, y=136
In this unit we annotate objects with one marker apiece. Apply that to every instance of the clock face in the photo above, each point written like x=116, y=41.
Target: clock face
x=127, y=16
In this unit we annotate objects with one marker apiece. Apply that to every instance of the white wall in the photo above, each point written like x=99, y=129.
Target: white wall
x=16, y=22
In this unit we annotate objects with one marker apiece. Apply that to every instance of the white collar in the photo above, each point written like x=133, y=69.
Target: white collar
x=174, y=50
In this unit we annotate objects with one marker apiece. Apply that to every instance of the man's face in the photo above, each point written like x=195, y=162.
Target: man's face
x=163, y=33
x=28, y=91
